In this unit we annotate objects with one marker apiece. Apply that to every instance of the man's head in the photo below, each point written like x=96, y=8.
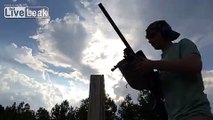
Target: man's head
x=159, y=33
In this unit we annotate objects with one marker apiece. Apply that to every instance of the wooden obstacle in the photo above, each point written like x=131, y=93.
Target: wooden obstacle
x=96, y=109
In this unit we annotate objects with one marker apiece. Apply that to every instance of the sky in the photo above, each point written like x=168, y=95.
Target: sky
x=46, y=61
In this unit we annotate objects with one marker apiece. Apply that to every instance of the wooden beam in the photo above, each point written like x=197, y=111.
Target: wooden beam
x=96, y=110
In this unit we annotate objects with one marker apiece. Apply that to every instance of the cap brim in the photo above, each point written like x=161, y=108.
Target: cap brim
x=174, y=35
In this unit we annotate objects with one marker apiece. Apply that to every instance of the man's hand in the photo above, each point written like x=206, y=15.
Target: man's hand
x=144, y=66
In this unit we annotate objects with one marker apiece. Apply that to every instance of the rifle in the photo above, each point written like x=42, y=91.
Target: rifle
x=139, y=81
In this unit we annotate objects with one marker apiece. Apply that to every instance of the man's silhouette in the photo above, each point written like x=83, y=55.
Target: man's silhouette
x=179, y=72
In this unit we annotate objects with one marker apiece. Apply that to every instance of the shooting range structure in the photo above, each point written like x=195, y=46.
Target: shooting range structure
x=96, y=110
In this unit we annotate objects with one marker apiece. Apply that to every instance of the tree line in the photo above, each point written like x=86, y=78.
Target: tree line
x=126, y=110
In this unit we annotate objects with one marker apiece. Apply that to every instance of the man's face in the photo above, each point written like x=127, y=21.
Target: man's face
x=156, y=40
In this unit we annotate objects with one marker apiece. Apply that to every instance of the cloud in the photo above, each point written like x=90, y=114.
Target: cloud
x=208, y=78
x=208, y=91
x=122, y=89
x=33, y=2
x=20, y=87
x=61, y=43
x=208, y=83
x=43, y=21
x=15, y=86
x=23, y=55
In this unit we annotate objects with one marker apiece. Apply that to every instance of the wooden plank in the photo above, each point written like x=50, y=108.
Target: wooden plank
x=96, y=109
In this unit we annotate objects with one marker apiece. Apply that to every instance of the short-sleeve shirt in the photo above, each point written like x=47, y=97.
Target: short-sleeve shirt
x=183, y=92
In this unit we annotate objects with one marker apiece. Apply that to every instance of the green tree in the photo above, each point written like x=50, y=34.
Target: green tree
x=20, y=112
x=147, y=104
x=24, y=112
x=27, y=113
x=10, y=112
x=82, y=111
x=2, y=112
x=42, y=114
x=55, y=112
x=151, y=107
x=71, y=114
x=1, y=108
x=63, y=112
x=110, y=109
x=128, y=110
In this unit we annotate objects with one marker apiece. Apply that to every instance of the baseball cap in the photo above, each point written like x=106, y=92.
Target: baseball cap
x=163, y=27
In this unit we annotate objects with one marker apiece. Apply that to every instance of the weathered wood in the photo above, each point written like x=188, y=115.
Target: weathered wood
x=96, y=98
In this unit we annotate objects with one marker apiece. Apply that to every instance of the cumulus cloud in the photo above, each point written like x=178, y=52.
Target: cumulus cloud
x=61, y=43
x=23, y=55
x=208, y=78
x=43, y=21
x=15, y=86
x=208, y=83
x=77, y=43
x=208, y=91
x=19, y=87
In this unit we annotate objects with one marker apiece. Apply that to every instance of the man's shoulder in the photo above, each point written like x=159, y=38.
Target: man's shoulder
x=186, y=41
x=187, y=47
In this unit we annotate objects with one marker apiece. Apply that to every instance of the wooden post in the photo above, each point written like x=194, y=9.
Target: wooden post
x=96, y=109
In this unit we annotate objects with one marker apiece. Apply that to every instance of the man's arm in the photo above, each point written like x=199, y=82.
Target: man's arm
x=191, y=64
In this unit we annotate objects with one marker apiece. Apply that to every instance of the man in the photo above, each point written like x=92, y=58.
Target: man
x=179, y=72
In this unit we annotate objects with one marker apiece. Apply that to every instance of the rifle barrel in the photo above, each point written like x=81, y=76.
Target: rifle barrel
x=115, y=27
